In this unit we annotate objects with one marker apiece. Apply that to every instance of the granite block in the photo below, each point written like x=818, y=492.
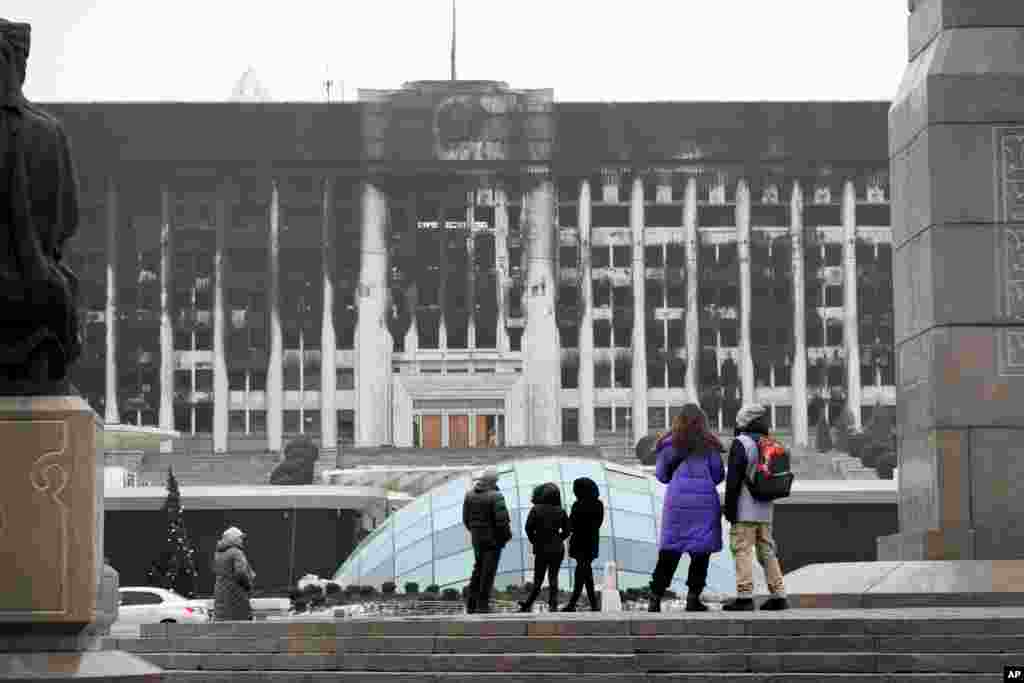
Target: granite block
x=584, y=663
x=952, y=643
x=578, y=627
x=997, y=491
x=353, y=661
x=929, y=662
x=420, y=644
x=700, y=624
x=692, y=661
x=932, y=16
x=820, y=662
x=485, y=629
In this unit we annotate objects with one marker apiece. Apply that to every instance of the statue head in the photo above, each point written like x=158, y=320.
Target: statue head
x=15, y=41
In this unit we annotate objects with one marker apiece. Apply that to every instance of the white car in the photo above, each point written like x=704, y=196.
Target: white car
x=149, y=605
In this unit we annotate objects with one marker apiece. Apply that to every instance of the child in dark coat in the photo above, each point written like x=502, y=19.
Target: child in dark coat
x=585, y=522
x=547, y=527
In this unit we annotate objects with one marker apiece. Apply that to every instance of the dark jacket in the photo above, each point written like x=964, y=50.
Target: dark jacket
x=233, y=586
x=485, y=515
x=547, y=525
x=738, y=467
x=585, y=520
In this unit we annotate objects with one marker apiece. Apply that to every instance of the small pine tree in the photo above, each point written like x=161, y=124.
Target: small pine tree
x=176, y=569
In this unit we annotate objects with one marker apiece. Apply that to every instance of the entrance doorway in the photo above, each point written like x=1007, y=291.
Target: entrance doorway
x=458, y=429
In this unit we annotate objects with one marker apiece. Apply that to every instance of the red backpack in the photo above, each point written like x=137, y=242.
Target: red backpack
x=769, y=476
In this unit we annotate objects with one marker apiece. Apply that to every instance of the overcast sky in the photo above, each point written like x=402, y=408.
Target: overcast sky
x=586, y=50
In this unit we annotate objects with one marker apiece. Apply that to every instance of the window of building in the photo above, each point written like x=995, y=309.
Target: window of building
x=291, y=421
x=834, y=332
x=656, y=373
x=291, y=376
x=834, y=296
x=570, y=374
x=257, y=422
x=204, y=339
x=676, y=334
x=623, y=418
x=783, y=418
x=655, y=332
x=204, y=379
x=602, y=290
x=347, y=427
x=183, y=418
x=654, y=255
x=676, y=373
x=783, y=376
x=654, y=294
x=602, y=334
x=656, y=419
x=603, y=420
x=623, y=336
x=600, y=256
x=623, y=373
x=236, y=421
x=622, y=256
x=236, y=380
x=567, y=256
x=204, y=418
x=570, y=425
x=346, y=378
x=602, y=374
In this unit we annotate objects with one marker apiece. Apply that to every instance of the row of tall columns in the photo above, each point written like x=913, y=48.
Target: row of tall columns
x=373, y=338
x=743, y=253
x=692, y=288
x=541, y=357
x=166, y=416
x=501, y=264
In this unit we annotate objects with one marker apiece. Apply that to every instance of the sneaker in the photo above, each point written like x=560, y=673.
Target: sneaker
x=525, y=607
x=569, y=608
x=775, y=604
x=739, y=605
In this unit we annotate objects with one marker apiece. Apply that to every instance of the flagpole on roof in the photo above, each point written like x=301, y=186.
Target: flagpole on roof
x=453, y=40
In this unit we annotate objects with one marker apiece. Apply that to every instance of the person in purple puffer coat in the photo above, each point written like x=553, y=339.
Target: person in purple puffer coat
x=689, y=461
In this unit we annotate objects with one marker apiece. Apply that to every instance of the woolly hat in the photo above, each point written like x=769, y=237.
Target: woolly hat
x=232, y=534
x=748, y=415
x=17, y=35
x=489, y=476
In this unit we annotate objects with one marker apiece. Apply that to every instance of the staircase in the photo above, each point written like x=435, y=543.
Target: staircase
x=208, y=469
x=970, y=644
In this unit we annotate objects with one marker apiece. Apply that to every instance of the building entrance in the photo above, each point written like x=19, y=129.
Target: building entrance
x=459, y=428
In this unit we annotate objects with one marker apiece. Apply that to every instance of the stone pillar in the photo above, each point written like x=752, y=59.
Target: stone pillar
x=851, y=332
x=221, y=397
x=636, y=225
x=541, y=355
x=373, y=339
x=586, y=416
x=501, y=263
x=111, y=412
x=798, y=376
x=743, y=252
x=956, y=144
x=166, y=325
x=328, y=340
x=692, y=289
x=275, y=368
x=56, y=596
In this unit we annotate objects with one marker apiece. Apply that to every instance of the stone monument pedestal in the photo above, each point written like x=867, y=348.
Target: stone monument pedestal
x=56, y=595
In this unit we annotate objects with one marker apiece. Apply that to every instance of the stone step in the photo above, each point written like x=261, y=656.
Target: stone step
x=886, y=644
x=286, y=676
x=592, y=662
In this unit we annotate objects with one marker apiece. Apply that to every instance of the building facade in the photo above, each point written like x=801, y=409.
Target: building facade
x=460, y=264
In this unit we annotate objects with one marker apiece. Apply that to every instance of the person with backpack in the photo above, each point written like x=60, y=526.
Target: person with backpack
x=547, y=527
x=690, y=463
x=585, y=522
x=758, y=474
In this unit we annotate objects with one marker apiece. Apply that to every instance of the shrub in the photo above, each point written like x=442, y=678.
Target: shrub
x=351, y=590
x=367, y=591
x=450, y=594
x=412, y=588
x=388, y=588
x=433, y=588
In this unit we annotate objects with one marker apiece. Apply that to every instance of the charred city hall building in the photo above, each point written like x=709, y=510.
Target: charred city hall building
x=459, y=264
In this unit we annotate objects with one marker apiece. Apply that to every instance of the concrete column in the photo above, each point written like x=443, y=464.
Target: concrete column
x=442, y=257
x=541, y=355
x=851, y=332
x=328, y=340
x=275, y=368
x=586, y=417
x=166, y=326
x=471, y=272
x=636, y=225
x=956, y=145
x=692, y=289
x=501, y=263
x=373, y=339
x=743, y=250
x=111, y=412
x=798, y=376
x=221, y=397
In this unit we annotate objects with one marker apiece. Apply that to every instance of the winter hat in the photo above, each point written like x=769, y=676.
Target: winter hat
x=748, y=415
x=232, y=534
x=489, y=476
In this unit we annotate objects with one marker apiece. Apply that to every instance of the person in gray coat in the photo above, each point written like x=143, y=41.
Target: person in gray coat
x=233, y=586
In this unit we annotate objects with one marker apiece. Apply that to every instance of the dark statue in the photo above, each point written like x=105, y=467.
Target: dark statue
x=39, y=331
x=297, y=467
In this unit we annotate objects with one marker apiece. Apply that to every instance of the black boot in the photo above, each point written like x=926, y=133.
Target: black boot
x=775, y=604
x=693, y=603
x=525, y=607
x=739, y=605
x=654, y=604
x=569, y=607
